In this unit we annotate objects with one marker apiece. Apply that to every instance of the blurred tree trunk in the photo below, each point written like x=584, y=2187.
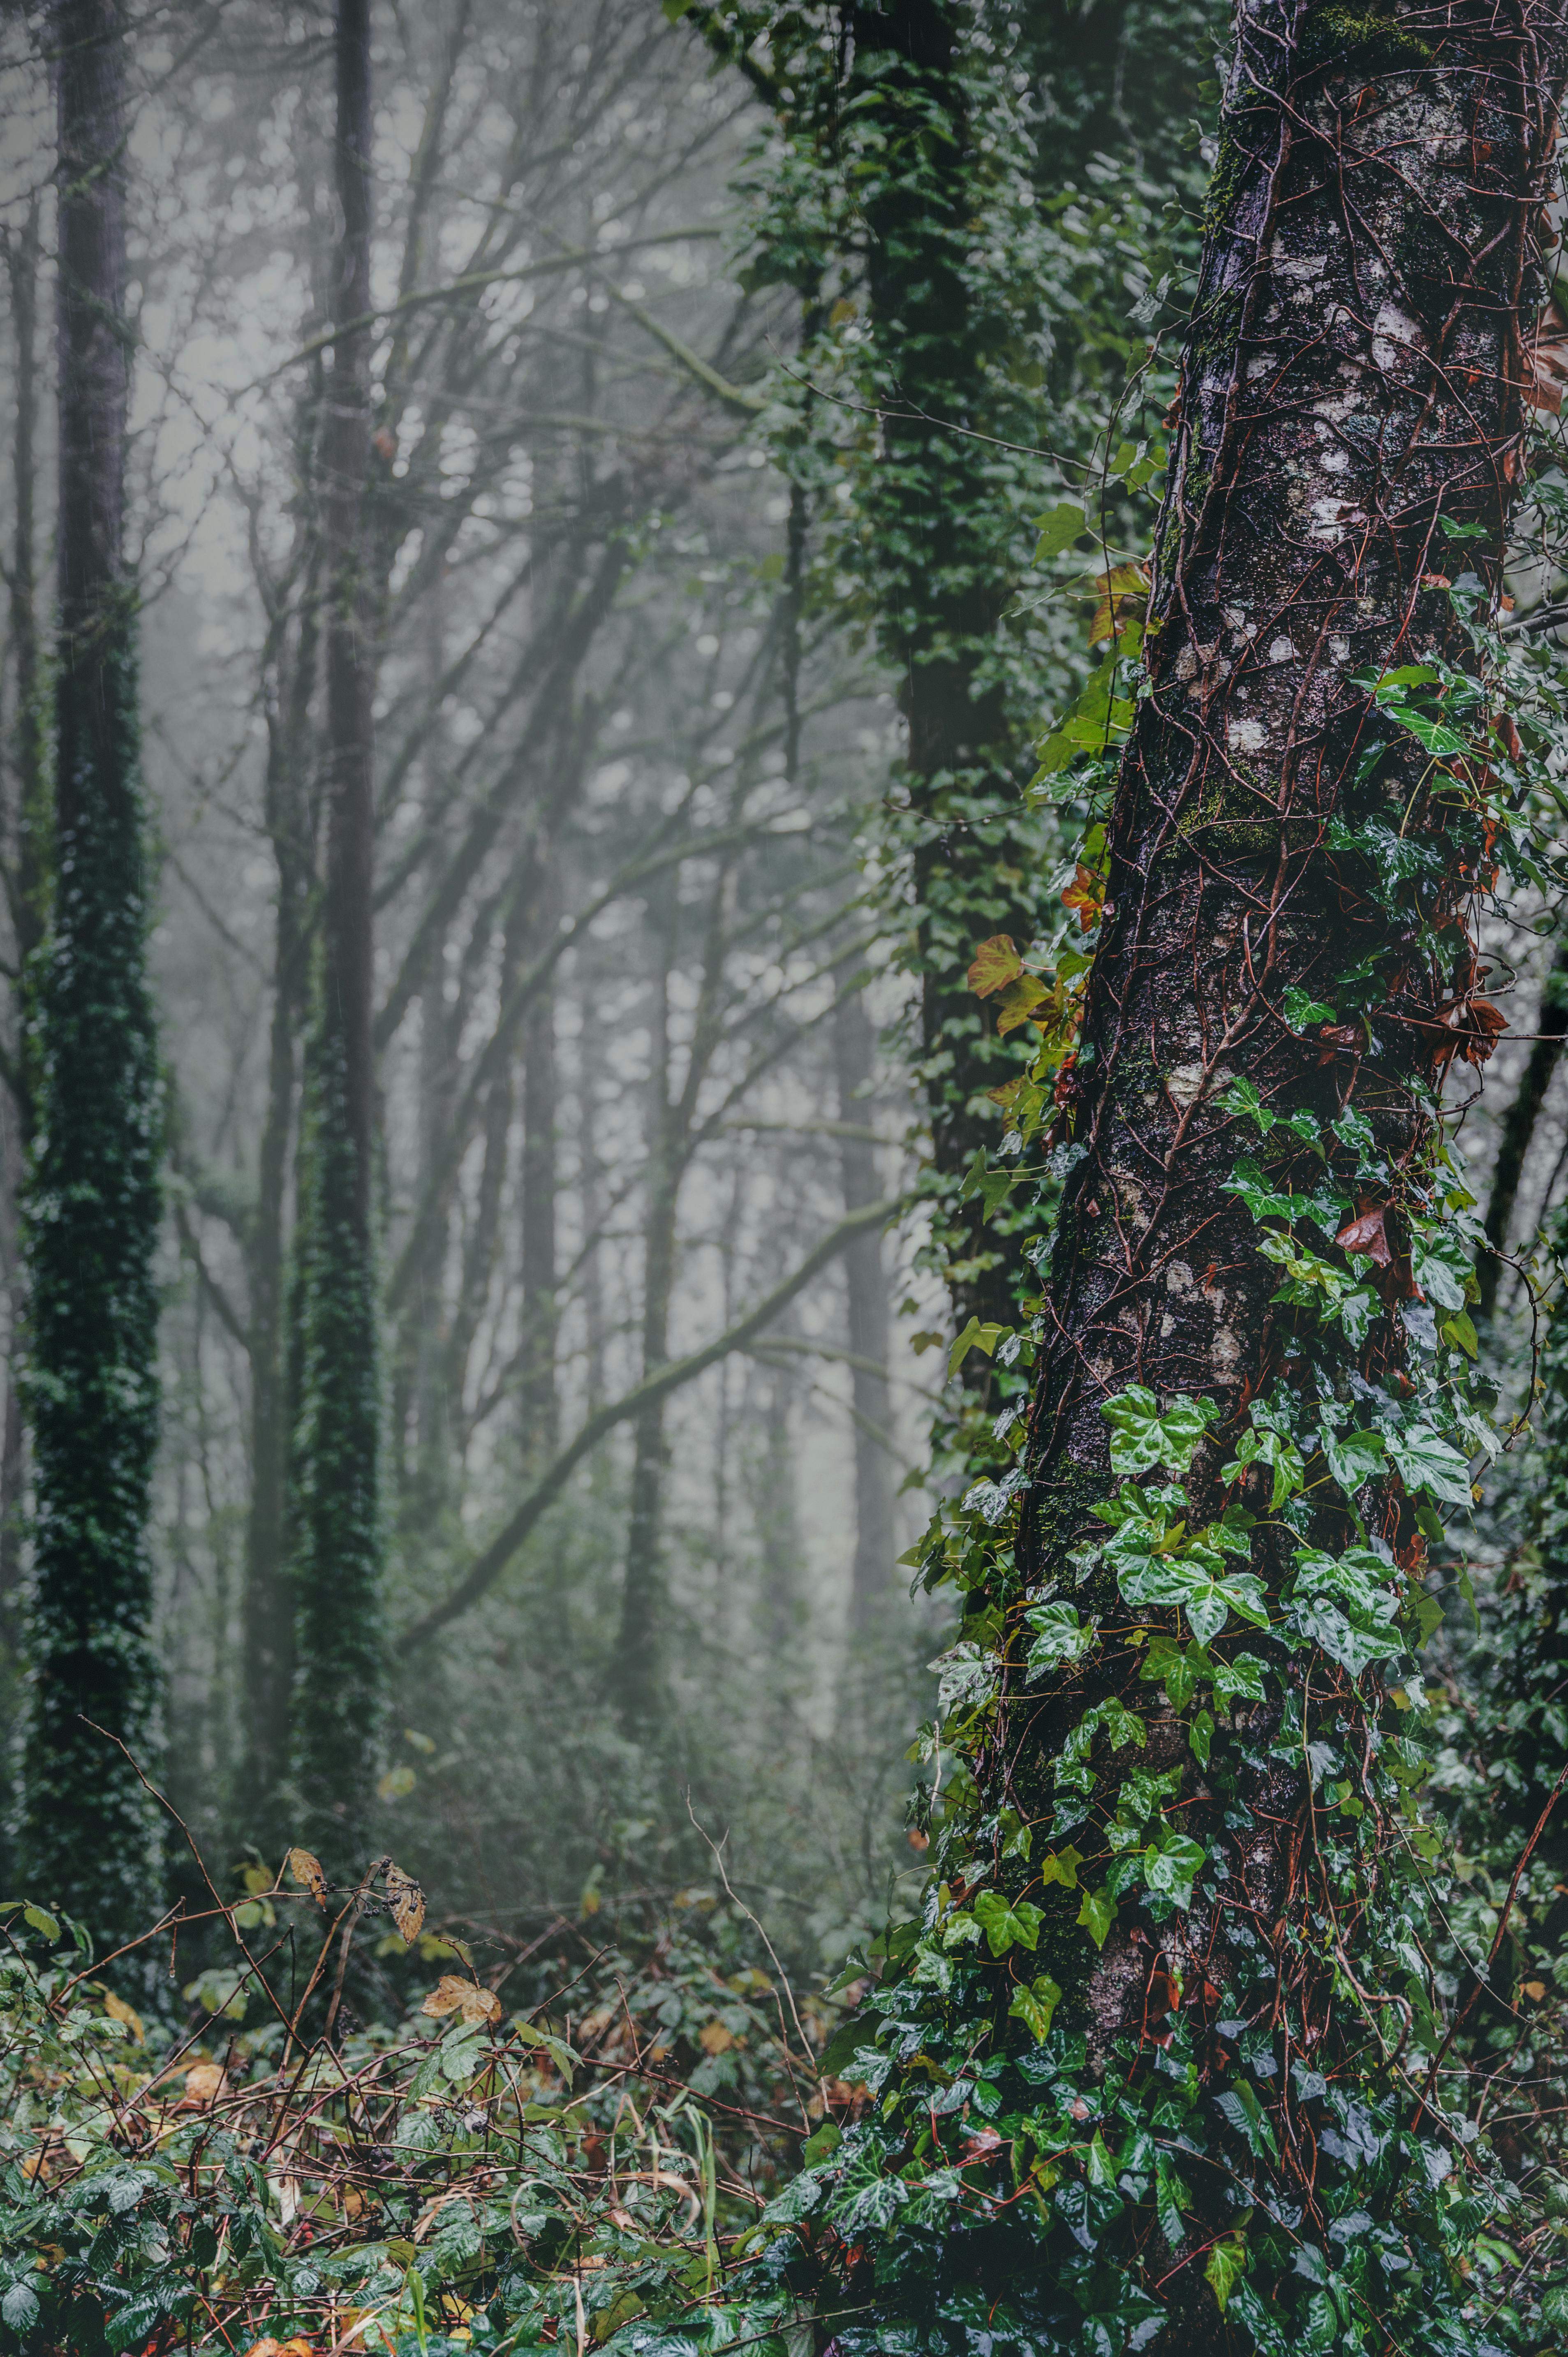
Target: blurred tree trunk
x=1519, y=1126
x=872, y=1583
x=27, y=828
x=88, y=1837
x=268, y=1606
x=539, y=1403
x=340, y=1681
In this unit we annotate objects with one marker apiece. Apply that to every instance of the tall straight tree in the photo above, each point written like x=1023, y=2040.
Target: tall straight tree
x=339, y=1679
x=1179, y=1930
x=87, y=1839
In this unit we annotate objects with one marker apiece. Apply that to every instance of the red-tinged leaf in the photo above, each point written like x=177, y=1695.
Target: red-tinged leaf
x=997, y=963
x=305, y=1869
x=1086, y=893
x=1018, y=1001
x=1367, y=1234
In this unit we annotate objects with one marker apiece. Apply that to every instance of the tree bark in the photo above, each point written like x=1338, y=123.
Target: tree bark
x=340, y=1686
x=1355, y=373
x=1519, y=1128
x=89, y=1839
x=871, y=1572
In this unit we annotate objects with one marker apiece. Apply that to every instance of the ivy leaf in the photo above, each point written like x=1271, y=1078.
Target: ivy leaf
x=1246, y=2115
x=1059, y=1637
x=1460, y=1331
x=1200, y=1736
x=1302, y=1008
x=1059, y=527
x=1170, y=1866
x=1354, y=1459
x=1061, y=1866
x=1007, y=1922
x=1171, y=2197
x=1225, y=2266
x=1263, y=1201
x=1097, y=1915
x=1243, y=1676
x=1442, y=1268
x=976, y=1336
x=1144, y=1436
x=1034, y=2007
x=1423, y=1461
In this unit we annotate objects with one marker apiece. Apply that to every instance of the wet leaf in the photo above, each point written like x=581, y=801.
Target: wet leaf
x=1368, y=1233
x=406, y=1901
x=305, y=1869
x=118, y=2011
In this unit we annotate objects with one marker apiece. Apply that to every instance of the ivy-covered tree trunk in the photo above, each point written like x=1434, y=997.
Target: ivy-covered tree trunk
x=88, y=1837
x=1178, y=1958
x=340, y=1677
x=945, y=553
x=873, y=1579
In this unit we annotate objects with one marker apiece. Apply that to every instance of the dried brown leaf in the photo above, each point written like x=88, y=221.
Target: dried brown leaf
x=406, y=1901
x=1368, y=1233
x=118, y=2011
x=714, y=2039
x=305, y=1869
x=453, y=1995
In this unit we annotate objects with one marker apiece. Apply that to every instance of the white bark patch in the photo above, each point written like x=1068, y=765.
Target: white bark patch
x=1340, y=650
x=1179, y=1278
x=1184, y=1084
x=1247, y=736
x=1281, y=650
x=1394, y=336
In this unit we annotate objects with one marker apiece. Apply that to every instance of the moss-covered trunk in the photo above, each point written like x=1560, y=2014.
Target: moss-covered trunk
x=1283, y=972
x=1164, y=2061
x=341, y=1677
x=89, y=1839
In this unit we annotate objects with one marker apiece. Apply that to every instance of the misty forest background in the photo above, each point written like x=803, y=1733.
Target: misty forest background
x=663, y=996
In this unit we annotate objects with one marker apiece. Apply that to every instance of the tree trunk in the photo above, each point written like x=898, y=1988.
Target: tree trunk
x=89, y=1837
x=1355, y=375
x=539, y=1404
x=268, y=1604
x=871, y=1585
x=1519, y=1128
x=1225, y=1910
x=340, y=1677
x=943, y=575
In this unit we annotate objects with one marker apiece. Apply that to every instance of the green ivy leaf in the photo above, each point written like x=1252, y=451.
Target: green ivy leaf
x=1144, y=1436
x=1423, y=1461
x=1059, y=1637
x=1059, y=527
x=1302, y=1008
x=1171, y=1864
x=1035, y=2004
x=1097, y=1915
x=1225, y=2266
x=1007, y=1922
x=1200, y=1736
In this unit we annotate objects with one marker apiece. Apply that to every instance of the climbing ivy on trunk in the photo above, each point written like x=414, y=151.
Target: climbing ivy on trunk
x=90, y=1838
x=1167, y=2057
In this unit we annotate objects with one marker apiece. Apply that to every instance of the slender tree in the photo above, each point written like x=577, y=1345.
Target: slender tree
x=872, y=1587
x=1175, y=1947
x=340, y=1675
x=87, y=1837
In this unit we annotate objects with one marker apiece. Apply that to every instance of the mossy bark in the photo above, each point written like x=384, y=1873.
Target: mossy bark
x=90, y=1839
x=1355, y=374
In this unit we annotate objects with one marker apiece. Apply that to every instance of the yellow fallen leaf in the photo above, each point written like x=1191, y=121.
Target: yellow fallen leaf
x=203, y=2082
x=406, y=1901
x=451, y=1995
x=307, y=1871
x=714, y=2039
x=1537, y=1989
x=118, y=2011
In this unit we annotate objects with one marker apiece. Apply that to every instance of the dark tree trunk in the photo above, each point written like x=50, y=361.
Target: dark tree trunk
x=871, y=1577
x=944, y=568
x=340, y=1675
x=1519, y=1128
x=1355, y=373
x=90, y=1839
